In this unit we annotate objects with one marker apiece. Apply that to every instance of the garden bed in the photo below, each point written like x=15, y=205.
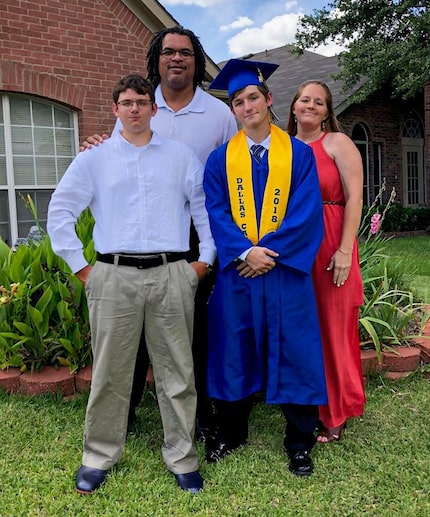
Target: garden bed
x=394, y=365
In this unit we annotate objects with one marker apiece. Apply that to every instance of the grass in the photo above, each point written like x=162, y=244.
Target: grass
x=413, y=253
x=379, y=469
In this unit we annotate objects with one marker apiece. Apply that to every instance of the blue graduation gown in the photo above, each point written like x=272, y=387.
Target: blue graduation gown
x=263, y=332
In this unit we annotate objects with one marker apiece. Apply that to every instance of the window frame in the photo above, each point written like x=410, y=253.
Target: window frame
x=12, y=188
x=413, y=146
x=363, y=148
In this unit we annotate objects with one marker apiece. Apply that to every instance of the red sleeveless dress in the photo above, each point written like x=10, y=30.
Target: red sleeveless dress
x=338, y=307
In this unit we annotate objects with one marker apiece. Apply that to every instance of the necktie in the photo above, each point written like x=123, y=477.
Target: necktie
x=257, y=151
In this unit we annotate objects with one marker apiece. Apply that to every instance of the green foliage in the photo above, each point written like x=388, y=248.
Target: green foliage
x=389, y=316
x=84, y=230
x=387, y=43
x=5, y=251
x=43, y=307
x=371, y=238
x=403, y=219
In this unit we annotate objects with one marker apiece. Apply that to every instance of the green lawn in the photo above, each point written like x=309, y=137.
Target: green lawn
x=414, y=253
x=380, y=468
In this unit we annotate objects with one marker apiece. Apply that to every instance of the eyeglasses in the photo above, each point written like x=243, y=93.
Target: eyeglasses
x=185, y=53
x=140, y=103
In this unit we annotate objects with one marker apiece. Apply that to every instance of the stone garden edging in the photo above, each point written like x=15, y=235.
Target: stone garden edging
x=400, y=363
x=49, y=380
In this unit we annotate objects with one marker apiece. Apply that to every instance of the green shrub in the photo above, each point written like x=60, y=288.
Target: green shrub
x=389, y=314
x=401, y=219
x=43, y=308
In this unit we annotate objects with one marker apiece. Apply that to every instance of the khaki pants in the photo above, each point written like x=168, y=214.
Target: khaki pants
x=120, y=299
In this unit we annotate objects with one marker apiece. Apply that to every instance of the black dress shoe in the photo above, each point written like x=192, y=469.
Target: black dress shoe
x=301, y=463
x=217, y=449
x=191, y=482
x=88, y=480
x=204, y=432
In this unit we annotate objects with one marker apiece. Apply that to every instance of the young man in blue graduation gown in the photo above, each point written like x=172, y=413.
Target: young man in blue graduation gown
x=265, y=213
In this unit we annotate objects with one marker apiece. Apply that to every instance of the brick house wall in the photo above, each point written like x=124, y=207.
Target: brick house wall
x=384, y=119
x=71, y=52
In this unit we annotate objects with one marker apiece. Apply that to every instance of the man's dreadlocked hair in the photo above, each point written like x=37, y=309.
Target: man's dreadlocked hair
x=155, y=47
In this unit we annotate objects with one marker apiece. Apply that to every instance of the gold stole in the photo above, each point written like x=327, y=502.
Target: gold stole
x=239, y=178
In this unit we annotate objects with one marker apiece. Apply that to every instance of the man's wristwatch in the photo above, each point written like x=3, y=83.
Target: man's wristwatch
x=209, y=268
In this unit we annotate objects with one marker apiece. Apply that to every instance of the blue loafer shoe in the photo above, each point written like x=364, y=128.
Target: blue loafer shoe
x=191, y=482
x=88, y=480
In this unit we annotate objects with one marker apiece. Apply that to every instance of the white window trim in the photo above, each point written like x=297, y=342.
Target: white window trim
x=12, y=188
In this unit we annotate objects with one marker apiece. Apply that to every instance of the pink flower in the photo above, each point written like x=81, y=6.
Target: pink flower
x=375, y=222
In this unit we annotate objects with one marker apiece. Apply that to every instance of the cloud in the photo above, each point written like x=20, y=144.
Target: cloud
x=242, y=21
x=330, y=49
x=276, y=32
x=198, y=3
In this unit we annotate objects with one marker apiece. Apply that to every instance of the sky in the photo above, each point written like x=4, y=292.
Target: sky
x=234, y=28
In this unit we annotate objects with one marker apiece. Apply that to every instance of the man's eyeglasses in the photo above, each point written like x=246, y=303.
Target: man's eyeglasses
x=140, y=103
x=185, y=53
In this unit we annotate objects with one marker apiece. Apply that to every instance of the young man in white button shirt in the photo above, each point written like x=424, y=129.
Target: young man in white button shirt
x=142, y=191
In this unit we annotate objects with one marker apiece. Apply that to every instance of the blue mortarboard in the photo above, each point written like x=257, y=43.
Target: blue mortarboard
x=239, y=73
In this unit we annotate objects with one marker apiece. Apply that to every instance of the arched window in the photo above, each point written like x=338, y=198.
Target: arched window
x=38, y=140
x=413, y=128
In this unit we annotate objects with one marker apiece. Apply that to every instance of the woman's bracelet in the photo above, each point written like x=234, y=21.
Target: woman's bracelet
x=344, y=252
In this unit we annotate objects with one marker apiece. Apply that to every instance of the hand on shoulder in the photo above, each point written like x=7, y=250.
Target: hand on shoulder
x=93, y=140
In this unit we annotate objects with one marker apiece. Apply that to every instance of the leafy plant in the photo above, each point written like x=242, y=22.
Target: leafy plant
x=43, y=307
x=370, y=235
x=389, y=316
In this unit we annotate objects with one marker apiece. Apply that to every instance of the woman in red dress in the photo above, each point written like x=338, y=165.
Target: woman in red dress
x=336, y=273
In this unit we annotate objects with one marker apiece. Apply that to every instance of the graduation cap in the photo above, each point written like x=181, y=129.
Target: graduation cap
x=240, y=73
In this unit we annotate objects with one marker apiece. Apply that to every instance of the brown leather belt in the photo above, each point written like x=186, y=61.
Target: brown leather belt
x=340, y=203
x=141, y=261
